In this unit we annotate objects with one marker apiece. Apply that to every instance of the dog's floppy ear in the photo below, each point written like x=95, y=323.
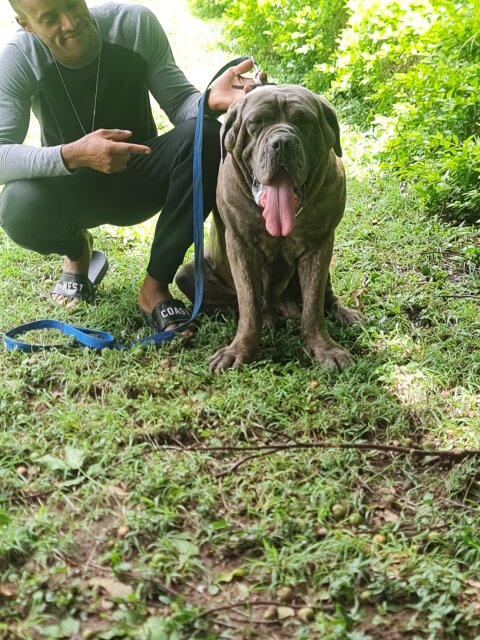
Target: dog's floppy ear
x=230, y=128
x=331, y=118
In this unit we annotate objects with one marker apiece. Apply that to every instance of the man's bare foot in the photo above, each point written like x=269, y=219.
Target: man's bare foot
x=152, y=294
x=77, y=267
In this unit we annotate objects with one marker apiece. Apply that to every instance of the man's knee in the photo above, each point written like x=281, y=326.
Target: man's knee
x=21, y=206
x=17, y=207
x=211, y=131
x=210, y=144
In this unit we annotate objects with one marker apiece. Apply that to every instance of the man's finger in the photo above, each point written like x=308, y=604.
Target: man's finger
x=244, y=66
x=131, y=149
x=141, y=149
x=117, y=135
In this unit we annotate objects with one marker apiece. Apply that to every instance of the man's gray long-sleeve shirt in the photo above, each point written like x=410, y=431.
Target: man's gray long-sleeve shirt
x=135, y=59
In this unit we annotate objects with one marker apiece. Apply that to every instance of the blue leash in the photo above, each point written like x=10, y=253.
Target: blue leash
x=101, y=339
x=87, y=337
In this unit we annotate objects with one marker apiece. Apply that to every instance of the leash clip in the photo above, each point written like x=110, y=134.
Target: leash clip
x=257, y=77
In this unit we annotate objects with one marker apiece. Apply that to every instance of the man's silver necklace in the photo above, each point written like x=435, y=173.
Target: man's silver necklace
x=96, y=90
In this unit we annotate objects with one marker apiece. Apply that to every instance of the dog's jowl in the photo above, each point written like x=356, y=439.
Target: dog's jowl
x=280, y=196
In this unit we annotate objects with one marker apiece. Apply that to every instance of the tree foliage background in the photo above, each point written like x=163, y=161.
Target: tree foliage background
x=407, y=70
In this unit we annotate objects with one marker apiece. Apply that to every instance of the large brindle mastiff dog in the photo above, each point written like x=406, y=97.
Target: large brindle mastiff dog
x=280, y=196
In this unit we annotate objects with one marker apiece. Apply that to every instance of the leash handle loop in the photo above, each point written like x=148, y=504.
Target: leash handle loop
x=87, y=337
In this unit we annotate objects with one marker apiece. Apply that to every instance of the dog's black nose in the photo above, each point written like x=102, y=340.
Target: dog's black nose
x=283, y=144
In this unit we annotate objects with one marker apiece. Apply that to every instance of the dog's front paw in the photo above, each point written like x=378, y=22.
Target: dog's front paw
x=333, y=357
x=228, y=357
x=345, y=317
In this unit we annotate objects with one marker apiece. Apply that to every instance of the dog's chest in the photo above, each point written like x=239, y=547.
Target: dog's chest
x=304, y=238
x=277, y=250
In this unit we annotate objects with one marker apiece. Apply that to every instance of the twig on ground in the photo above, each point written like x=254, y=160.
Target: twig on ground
x=402, y=529
x=324, y=444
x=259, y=603
x=366, y=486
x=473, y=480
x=246, y=620
x=90, y=558
x=222, y=623
x=18, y=497
x=265, y=450
x=459, y=505
x=237, y=464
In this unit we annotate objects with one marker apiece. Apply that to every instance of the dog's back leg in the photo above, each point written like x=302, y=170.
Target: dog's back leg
x=278, y=300
x=340, y=314
x=216, y=294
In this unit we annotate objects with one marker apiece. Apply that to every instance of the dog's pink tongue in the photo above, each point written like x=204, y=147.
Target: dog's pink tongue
x=279, y=205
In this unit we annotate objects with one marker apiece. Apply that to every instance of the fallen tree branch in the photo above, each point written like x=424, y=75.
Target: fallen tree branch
x=264, y=450
x=325, y=444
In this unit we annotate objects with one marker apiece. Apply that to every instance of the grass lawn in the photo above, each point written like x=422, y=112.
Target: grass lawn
x=124, y=513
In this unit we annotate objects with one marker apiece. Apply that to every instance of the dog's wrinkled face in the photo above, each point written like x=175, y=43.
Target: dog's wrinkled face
x=281, y=138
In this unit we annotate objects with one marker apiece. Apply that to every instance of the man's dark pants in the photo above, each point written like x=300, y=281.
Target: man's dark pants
x=47, y=215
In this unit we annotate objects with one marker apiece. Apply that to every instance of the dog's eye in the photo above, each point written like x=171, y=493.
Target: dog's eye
x=303, y=119
x=259, y=122
x=254, y=124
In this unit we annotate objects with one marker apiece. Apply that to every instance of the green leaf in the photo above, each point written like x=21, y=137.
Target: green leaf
x=184, y=547
x=112, y=633
x=51, y=631
x=4, y=518
x=74, y=458
x=228, y=576
x=65, y=629
x=70, y=626
x=200, y=396
x=156, y=628
x=73, y=481
x=95, y=469
x=55, y=464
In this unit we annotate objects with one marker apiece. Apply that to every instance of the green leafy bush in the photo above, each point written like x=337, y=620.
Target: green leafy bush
x=413, y=66
x=435, y=145
x=382, y=38
x=410, y=69
x=288, y=37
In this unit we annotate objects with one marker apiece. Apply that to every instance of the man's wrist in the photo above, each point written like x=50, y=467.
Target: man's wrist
x=67, y=152
x=208, y=110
